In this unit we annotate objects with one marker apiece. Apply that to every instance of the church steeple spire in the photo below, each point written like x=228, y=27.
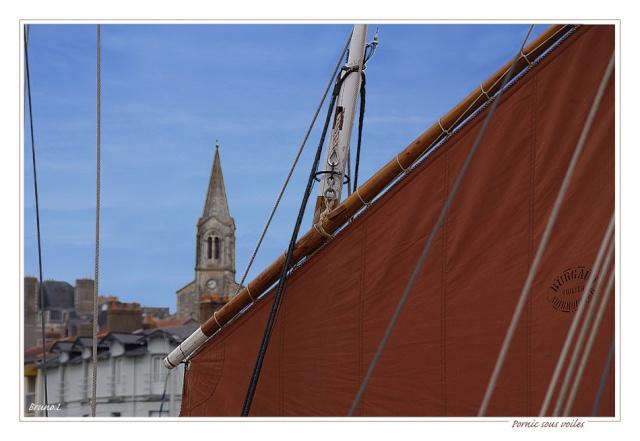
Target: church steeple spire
x=215, y=268
x=216, y=203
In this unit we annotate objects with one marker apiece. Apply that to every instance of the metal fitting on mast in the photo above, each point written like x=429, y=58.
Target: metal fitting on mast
x=332, y=176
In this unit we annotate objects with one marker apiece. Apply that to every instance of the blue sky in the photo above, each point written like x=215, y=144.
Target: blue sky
x=169, y=91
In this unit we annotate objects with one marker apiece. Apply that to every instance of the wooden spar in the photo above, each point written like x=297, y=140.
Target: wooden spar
x=313, y=239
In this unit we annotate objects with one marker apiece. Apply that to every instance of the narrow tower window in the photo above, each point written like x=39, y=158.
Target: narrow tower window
x=217, y=247
x=209, y=246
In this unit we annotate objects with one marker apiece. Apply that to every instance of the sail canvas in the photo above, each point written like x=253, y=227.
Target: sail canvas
x=441, y=354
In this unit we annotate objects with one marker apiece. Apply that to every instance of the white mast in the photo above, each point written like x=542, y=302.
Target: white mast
x=330, y=186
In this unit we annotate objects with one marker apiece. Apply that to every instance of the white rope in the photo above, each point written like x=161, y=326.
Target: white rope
x=216, y=320
x=404, y=170
x=595, y=269
x=585, y=323
x=249, y=293
x=365, y=203
x=592, y=336
x=97, y=255
x=545, y=239
x=321, y=231
x=445, y=131
x=484, y=92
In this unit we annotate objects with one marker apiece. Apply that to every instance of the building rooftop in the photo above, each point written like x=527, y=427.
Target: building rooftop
x=176, y=334
x=135, y=342
x=125, y=338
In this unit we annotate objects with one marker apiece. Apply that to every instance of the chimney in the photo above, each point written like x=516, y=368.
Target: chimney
x=31, y=295
x=84, y=329
x=83, y=296
x=31, y=311
x=148, y=322
x=123, y=317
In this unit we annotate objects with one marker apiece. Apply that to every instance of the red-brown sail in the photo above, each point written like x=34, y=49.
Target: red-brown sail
x=443, y=349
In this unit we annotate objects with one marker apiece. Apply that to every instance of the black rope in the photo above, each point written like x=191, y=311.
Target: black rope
x=35, y=188
x=164, y=394
x=255, y=376
x=363, y=85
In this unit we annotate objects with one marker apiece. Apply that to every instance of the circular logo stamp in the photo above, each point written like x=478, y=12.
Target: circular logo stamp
x=567, y=288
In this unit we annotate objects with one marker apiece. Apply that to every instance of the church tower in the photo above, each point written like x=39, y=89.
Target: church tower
x=215, y=250
x=215, y=240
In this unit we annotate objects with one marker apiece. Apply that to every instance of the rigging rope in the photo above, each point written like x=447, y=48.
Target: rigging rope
x=295, y=162
x=585, y=324
x=434, y=231
x=94, y=348
x=37, y=201
x=595, y=269
x=164, y=393
x=603, y=378
x=294, y=237
x=544, y=240
x=363, y=85
x=348, y=172
x=546, y=44
x=592, y=335
x=285, y=184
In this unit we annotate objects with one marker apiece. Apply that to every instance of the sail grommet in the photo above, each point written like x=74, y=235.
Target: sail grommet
x=404, y=170
x=525, y=58
x=445, y=131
